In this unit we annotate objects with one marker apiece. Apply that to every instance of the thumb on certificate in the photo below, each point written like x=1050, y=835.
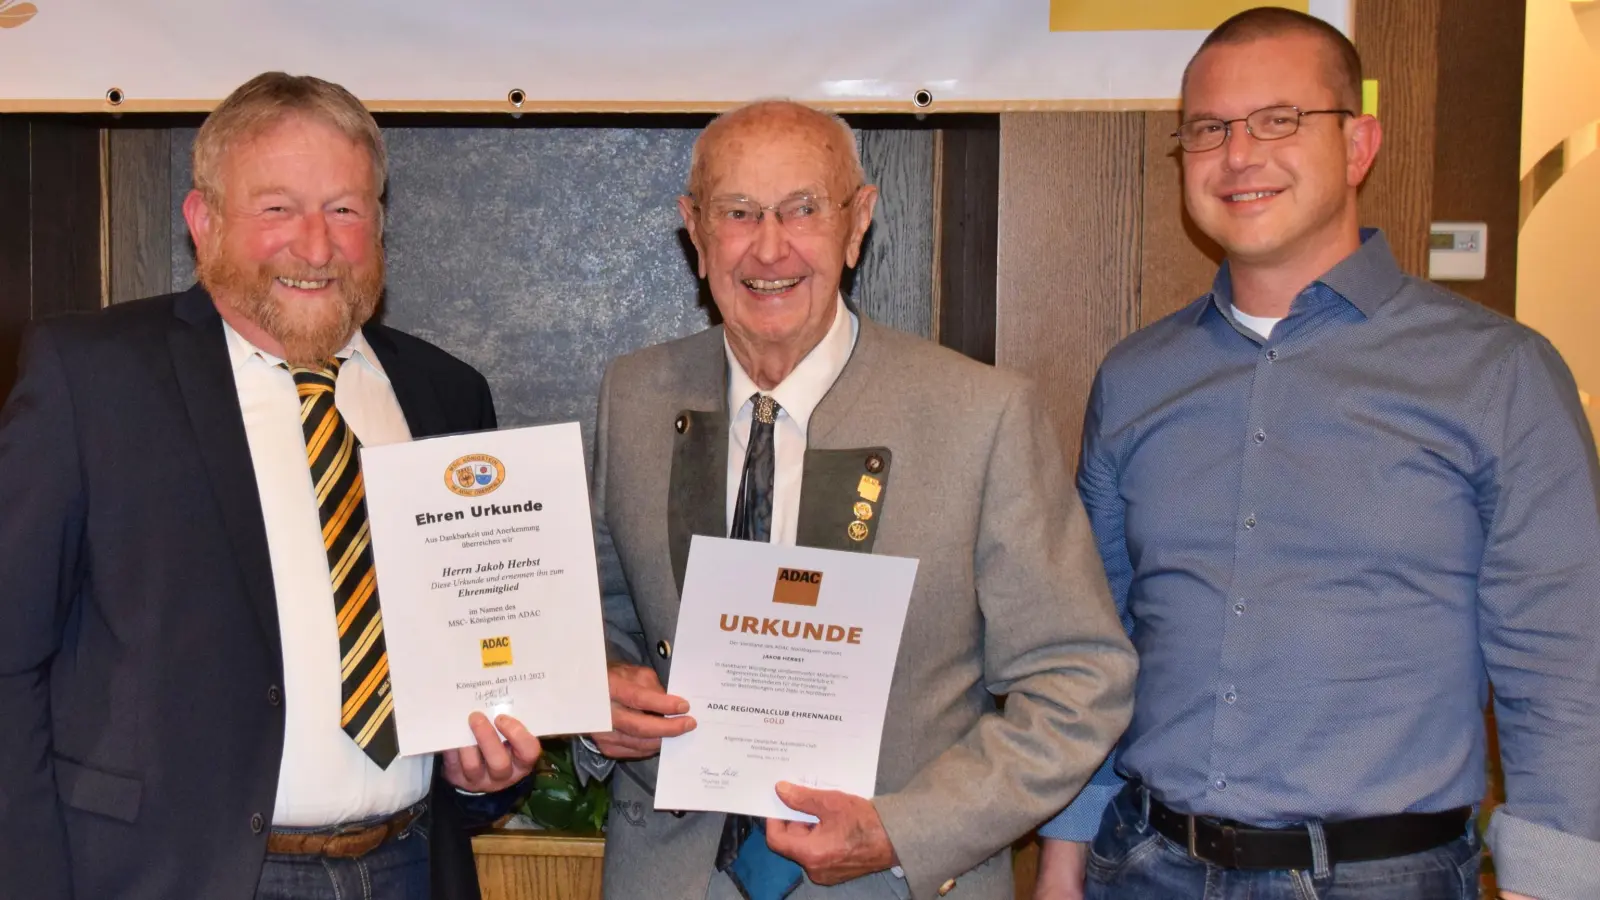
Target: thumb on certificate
x=801, y=798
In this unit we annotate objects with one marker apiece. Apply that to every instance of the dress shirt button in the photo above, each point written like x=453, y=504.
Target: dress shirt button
x=1261, y=437
x=1250, y=521
x=1230, y=696
x=1238, y=608
x=663, y=649
x=274, y=696
x=1220, y=783
x=257, y=823
x=1272, y=356
x=682, y=424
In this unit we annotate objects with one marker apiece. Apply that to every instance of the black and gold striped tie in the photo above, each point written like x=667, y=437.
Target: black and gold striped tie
x=368, y=710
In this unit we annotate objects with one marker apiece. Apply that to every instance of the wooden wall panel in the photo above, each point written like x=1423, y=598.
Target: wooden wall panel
x=1070, y=226
x=1478, y=135
x=1399, y=45
x=894, y=283
x=1178, y=260
x=65, y=218
x=138, y=197
x=967, y=179
x=16, y=289
x=50, y=227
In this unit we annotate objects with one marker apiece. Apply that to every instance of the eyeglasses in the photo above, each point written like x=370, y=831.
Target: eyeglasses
x=800, y=214
x=1271, y=124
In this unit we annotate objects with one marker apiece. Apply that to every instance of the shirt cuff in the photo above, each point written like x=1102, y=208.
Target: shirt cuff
x=1542, y=862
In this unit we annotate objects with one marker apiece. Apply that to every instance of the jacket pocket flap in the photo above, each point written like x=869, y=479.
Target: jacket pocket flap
x=93, y=790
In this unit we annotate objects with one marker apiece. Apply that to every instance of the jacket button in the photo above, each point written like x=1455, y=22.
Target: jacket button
x=274, y=696
x=678, y=813
x=947, y=887
x=256, y=823
x=874, y=463
x=682, y=424
x=663, y=649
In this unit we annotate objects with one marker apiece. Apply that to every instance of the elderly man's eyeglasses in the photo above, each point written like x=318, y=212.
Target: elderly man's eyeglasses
x=799, y=214
x=1271, y=124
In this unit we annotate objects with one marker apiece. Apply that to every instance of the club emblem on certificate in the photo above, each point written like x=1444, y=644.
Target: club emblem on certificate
x=474, y=475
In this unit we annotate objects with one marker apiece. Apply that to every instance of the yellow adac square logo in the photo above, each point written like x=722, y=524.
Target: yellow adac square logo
x=1152, y=15
x=496, y=651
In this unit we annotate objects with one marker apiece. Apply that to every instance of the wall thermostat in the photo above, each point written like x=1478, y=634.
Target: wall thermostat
x=1457, y=251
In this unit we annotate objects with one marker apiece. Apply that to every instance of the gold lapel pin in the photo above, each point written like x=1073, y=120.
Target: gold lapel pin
x=869, y=488
x=863, y=510
x=857, y=531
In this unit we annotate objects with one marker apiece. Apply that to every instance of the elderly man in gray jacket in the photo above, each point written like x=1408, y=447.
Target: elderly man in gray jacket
x=798, y=421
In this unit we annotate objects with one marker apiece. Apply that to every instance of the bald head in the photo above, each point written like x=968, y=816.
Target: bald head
x=777, y=209
x=778, y=120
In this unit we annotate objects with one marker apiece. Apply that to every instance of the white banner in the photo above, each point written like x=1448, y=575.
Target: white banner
x=881, y=55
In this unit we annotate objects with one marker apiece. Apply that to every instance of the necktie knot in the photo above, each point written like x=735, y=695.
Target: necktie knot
x=323, y=374
x=766, y=409
x=752, y=511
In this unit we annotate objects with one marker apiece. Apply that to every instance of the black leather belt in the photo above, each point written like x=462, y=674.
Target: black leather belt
x=1234, y=845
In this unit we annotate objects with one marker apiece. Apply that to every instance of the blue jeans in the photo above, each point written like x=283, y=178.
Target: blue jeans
x=396, y=870
x=1130, y=859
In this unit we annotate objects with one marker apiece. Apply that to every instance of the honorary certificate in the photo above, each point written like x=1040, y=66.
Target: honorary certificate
x=485, y=558
x=785, y=655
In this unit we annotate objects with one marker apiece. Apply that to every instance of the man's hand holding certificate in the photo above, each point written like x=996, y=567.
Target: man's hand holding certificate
x=486, y=570
x=785, y=656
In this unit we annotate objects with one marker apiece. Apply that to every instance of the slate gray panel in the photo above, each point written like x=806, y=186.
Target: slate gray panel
x=538, y=254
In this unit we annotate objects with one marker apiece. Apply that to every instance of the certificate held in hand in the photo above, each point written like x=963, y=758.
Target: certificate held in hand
x=486, y=573
x=786, y=656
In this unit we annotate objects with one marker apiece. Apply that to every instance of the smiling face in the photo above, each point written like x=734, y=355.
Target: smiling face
x=290, y=247
x=1282, y=203
x=776, y=285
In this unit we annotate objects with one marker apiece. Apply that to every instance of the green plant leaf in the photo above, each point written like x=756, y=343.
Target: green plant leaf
x=558, y=801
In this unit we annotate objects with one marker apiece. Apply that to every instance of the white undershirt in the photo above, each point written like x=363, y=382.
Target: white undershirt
x=324, y=778
x=797, y=395
x=1261, y=325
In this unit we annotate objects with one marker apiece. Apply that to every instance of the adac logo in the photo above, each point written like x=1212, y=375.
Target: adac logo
x=474, y=475
x=797, y=586
x=496, y=651
x=16, y=15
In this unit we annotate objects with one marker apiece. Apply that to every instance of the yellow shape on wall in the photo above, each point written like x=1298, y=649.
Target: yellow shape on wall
x=1152, y=15
x=1369, y=97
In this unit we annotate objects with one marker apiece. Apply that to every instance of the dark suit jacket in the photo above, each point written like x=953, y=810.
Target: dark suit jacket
x=141, y=727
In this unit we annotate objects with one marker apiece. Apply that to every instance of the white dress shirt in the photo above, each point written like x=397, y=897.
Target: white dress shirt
x=797, y=396
x=324, y=778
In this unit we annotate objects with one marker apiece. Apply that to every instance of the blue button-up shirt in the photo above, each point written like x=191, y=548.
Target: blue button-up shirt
x=1327, y=543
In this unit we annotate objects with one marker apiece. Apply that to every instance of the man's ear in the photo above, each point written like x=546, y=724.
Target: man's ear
x=691, y=224
x=202, y=220
x=1363, y=137
x=860, y=220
